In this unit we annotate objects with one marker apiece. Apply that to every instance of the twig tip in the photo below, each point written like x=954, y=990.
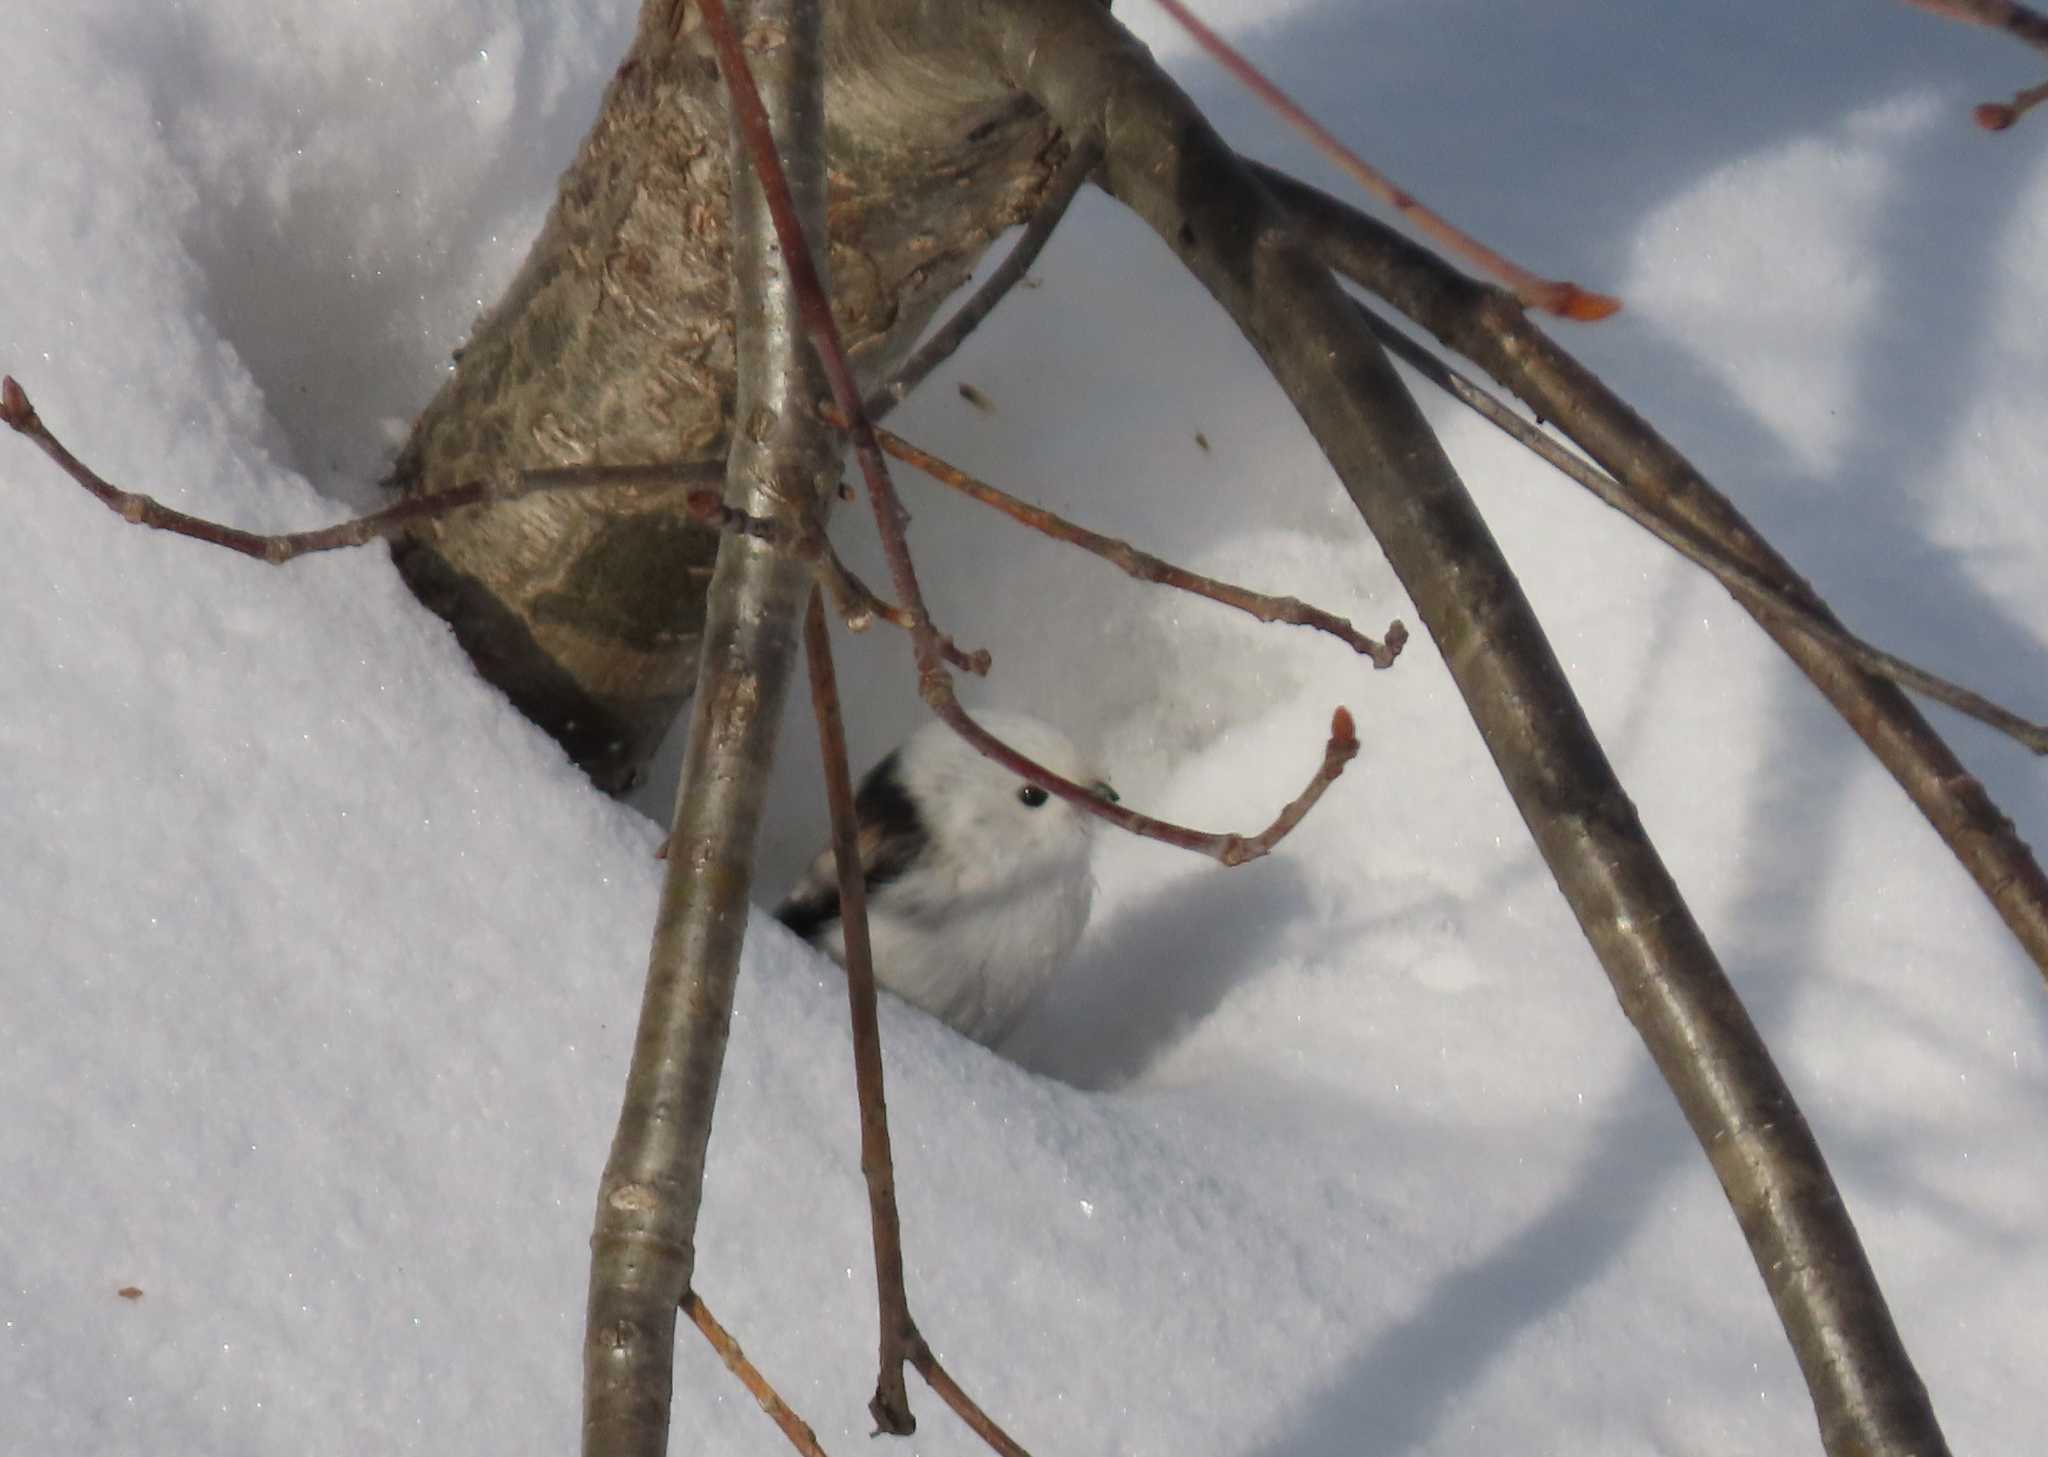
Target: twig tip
x=1343, y=732
x=1569, y=301
x=1995, y=116
x=14, y=406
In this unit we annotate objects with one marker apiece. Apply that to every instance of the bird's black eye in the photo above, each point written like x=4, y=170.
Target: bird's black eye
x=1032, y=796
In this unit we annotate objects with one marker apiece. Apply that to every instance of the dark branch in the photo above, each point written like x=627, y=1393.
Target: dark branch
x=1486, y=326
x=1747, y=585
x=890, y=1405
x=1166, y=164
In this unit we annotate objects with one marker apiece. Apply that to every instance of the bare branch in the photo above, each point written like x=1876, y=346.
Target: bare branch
x=1566, y=300
x=890, y=1405
x=891, y=520
x=1082, y=158
x=793, y=1426
x=1747, y=585
x=1140, y=564
x=276, y=549
x=858, y=606
x=1488, y=327
x=643, y=1243
x=964, y=1406
x=1165, y=163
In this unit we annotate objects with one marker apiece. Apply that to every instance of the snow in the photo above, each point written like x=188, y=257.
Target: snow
x=318, y=966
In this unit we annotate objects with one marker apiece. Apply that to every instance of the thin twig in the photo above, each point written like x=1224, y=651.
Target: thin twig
x=276, y=549
x=1744, y=582
x=849, y=593
x=1059, y=195
x=964, y=1406
x=779, y=1411
x=1567, y=300
x=1139, y=564
x=2019, y=21
x=935, y=684
x=890, y=1405
x=858, y=605
x=1996, y=116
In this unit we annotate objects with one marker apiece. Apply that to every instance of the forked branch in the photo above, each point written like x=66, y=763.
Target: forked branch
x=1141, y=565
x=935, y=683
x=1165, y=163
x=1746, y=584
x=1488, y=327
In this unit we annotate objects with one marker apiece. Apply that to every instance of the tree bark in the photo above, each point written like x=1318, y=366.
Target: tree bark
x=643, y=1251
x=615, y=345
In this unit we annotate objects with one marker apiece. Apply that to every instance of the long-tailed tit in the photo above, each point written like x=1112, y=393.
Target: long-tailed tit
x=978, y=882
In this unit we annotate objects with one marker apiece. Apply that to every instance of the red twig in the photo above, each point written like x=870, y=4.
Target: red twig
x=1141, y=565
x=858, y=606
x=890, y=1405
x=964, y=1406
x=793, y=1426
x=1996, y=116
x=1567, y=300
x=935, y=684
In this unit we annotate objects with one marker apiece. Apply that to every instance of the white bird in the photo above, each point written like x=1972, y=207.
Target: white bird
x=978, y=883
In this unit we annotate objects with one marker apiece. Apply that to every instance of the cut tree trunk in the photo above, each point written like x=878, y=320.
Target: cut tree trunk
x=614, y=345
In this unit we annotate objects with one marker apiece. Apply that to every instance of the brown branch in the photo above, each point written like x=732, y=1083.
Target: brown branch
x=1489, y=328
x=849, y=593
x=140, y=510
x=1082, y=158
x=1567, y=300
x=964, y=1406
x=1747, y=585
x=1138, y=564
x=1170, y=168
x=890, y=1405
x=935, y=684
x=793, y=1426
x=858, y=605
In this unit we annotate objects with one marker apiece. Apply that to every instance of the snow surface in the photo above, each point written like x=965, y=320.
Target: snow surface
x=320, y=965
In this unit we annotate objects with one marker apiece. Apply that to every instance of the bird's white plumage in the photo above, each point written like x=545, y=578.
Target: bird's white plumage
x=996, y=891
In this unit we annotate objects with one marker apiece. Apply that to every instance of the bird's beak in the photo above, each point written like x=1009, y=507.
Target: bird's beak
x=1101, y=790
